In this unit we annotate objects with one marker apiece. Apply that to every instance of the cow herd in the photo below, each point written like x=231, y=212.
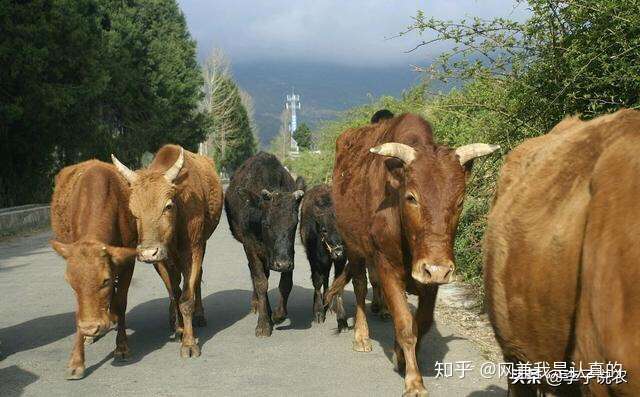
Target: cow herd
x=561, y=252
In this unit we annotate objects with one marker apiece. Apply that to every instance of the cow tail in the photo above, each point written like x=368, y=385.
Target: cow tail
x=337, y=287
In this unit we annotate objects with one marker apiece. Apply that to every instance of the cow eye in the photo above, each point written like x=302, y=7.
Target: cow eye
x=411, y=198
x=106, y=283
x=168, y=206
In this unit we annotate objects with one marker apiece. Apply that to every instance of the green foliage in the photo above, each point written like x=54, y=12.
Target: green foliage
x=228, y=110
x=85, y=78
x=303, y=137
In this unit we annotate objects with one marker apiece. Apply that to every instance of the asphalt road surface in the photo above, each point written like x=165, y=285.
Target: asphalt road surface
x=299, y=359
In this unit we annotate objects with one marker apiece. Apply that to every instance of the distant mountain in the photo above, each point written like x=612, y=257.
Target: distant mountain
x=324, y=89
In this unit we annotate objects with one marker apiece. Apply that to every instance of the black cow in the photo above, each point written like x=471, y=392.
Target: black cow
x=262, y=203
x=324, y=248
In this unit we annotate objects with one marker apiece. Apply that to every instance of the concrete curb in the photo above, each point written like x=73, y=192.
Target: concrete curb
x=17, y=219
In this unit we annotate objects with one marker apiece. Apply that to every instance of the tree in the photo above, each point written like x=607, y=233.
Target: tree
x=231, y=134
x=303, y=137
x=86, y=78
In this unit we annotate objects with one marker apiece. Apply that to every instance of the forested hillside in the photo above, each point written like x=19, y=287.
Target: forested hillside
x=85, y=78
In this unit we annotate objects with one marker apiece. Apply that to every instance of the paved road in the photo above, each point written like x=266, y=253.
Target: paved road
x=301, y=358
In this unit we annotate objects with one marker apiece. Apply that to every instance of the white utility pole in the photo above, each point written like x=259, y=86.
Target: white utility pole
x=293, y=104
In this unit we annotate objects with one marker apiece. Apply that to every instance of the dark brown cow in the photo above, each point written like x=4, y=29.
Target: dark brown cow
x=561, y=251
x=91, y=221
x=177, y=202
x=398, y=196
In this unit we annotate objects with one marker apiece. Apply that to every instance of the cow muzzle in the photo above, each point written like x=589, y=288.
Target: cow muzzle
x=95, y=329
x=281, y=266
x=432, y=272
x=152, y=254
x=336, y=252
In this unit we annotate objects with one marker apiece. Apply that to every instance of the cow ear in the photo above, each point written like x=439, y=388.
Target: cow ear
x=64, y=250
x=396, y=171
x=121, y=255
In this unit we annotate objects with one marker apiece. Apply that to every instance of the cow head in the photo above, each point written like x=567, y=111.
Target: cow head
x=90, y=272
x=152, y=203
x=325, y=218
x=278, y=222
x=430, y=185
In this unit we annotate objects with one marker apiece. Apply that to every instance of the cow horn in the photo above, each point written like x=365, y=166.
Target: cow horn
x=398, y=150
x=129, y=175
x=469, y=152
x=173, y=172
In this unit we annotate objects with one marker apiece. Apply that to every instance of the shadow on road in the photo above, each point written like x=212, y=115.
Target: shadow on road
x=14, y=379
x=35, y=333
x=150, y=321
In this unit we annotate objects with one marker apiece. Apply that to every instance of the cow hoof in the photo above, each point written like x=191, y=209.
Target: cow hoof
x=415, y=393
x=190, y=351
x=362, y=346
x=121, y=353
x=88, y=340
x=342, y=324
x=75, y=373
x=263, y=331
x=278, y=318
x=199, y=321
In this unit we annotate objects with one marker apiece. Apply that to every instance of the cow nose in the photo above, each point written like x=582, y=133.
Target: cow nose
x=149, y=254
x=89, y=328
x=282, y=266
x=427, y=272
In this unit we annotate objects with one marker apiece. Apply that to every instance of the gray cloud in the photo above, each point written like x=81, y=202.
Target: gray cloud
x=347, y=32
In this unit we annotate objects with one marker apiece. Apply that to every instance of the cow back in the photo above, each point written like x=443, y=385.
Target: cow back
x=90, y=201
x=536, y=232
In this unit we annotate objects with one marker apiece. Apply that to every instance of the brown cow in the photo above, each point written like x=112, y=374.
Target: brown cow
x=398, y=196
x=91, y=220
x=561, y=251
x=177, y=202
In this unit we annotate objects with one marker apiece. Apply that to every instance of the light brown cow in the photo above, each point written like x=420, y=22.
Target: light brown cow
x=91, y=221
x=398, y=196
x=561, y=251
x=177, y=202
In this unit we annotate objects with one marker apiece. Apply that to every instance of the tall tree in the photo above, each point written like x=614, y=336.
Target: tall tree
x=303, y=137
x=231, y=133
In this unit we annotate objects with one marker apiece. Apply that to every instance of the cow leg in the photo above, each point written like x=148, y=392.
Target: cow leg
x=361, y=342
x=378, y=305
x=198, y=315
x=405, y=330
x=191, y=267
x=285, y=286
x=119, y=307
x=424, y=313
x=171, y=279
x=260, y=279
x=75, y=369
x=341, y=314
x=317, y=278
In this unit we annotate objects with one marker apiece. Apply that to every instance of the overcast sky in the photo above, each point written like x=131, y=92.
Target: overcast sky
x=353, y=32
